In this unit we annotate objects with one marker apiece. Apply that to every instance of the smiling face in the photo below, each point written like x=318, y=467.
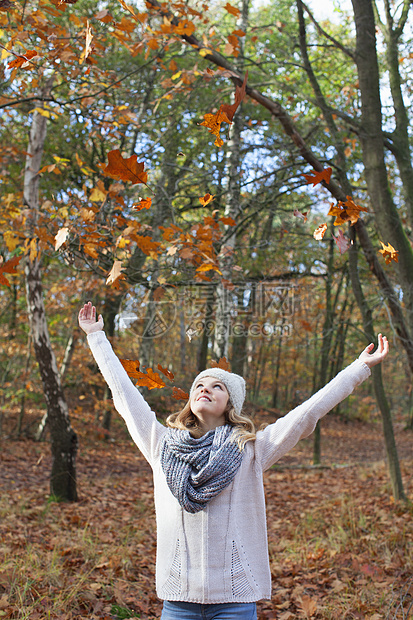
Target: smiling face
x=209, y=401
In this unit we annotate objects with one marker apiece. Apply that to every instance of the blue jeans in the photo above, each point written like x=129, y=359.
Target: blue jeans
x=177, y=610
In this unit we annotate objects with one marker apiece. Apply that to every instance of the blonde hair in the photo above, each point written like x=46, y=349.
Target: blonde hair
x=244, y=428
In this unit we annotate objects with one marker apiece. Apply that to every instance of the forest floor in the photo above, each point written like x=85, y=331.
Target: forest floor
x=340, y=547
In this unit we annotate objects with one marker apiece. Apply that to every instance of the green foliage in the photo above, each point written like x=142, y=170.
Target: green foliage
x=123, y=612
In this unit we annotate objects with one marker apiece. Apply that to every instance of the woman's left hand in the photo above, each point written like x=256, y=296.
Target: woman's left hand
x=87, y=319
x=371, y=359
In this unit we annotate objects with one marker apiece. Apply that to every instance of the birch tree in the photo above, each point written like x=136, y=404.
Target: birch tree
x=64, y=441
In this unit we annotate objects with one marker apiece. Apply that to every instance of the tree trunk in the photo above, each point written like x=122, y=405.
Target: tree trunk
x=325, y=346
x=372, y=141
x=240, y=335
x=390, y=443
x=206, y=331
x=223, y=295
x=276, y=377
x=400, y=137
x=63, y=438
x=68, y=354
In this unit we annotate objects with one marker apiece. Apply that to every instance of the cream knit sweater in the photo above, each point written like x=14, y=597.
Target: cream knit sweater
x=219, y=554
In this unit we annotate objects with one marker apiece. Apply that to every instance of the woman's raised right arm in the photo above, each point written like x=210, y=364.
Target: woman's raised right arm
x=141, y=421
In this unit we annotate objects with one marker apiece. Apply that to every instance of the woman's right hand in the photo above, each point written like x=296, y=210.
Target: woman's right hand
x=87, y=319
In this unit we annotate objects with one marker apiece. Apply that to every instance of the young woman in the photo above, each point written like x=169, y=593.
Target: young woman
x=212, y=558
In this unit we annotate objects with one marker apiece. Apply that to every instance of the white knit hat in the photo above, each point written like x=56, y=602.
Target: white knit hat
x=235, y=385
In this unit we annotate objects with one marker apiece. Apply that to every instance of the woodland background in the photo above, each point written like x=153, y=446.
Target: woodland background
x=228, y=184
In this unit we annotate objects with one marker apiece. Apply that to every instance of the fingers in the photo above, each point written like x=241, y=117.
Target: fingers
x=87, y=312
x=383, y=345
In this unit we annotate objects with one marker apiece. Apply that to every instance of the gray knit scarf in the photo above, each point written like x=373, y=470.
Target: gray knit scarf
x=197, y=470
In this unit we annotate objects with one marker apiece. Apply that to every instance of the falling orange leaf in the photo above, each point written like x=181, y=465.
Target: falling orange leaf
x=185, y=28
x=8, y=267
x=225, y=113
x=389, y=253
x=320, y=232
x=149, y=379
x=145, y=203
x=168, y=374
x=213, y=122
x=131, y=367
x=240, y=91
x=179, y=394
x=317, y=177
x=345, y=212
x=125, y=169
x=23, y=61
x=208, y=267
x=232, y=9
x=205, y=200
x=228, y=221
x=145, y=243
x=222, y=363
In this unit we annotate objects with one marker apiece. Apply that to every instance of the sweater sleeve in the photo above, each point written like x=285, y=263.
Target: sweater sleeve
x=142, y=424
x=280, y=437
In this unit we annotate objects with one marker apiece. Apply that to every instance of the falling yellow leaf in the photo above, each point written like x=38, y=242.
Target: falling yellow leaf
x=389, y=253
x=205, y=200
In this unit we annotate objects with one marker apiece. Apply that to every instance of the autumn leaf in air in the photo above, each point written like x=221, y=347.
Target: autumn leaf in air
x=214, y=122
x=88, y=43
x=317, y=177
x=179, y=394
x=205, y=200
x=302, y=216
x=227, y=220
x=125, y=169
x=209, y=267
x=320, y=232
x=240, y=91
x=225, y=113
x=149, y=379
x=60, y=238
x=343, y=243
x=389, y=253
x=345, y=212
x=8, y=267
x=144, y=203
x=104, y=16
x=131, y=367
x=222, y=363
x=115, y=272
x=185, y=28
x=23, y=61
x=168, y=374
x=232, y=9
